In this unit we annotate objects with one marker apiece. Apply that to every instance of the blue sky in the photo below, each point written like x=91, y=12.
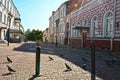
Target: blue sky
x=35, y=13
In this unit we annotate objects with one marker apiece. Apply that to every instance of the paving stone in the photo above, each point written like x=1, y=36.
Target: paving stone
x=24, y=64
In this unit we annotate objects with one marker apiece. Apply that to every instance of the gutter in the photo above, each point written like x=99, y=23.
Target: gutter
x=114, y=21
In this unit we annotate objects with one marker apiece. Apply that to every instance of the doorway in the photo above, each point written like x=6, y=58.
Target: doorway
x=83, y=40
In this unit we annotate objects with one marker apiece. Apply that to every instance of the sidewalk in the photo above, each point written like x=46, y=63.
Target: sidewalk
x=24, y=64
x=104, y=70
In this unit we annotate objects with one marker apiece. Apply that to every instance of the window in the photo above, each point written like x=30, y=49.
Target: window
x=0, y=16
x=94, y=26
x=4, y=18
x=85, y=23
x=5, y=3
x=78, y=33
x=108, y=24
x=4, y=32
x=8, y=5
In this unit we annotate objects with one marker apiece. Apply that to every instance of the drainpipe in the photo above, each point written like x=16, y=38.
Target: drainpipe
x=69, y=30
x=113, y=33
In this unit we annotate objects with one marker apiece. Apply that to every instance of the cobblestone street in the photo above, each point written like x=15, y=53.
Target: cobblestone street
x=23, y=58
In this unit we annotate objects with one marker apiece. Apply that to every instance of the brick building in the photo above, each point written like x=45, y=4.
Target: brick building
x=101, y=20
x=90, y=20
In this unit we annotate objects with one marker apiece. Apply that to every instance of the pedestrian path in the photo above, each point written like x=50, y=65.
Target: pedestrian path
x=24, y=64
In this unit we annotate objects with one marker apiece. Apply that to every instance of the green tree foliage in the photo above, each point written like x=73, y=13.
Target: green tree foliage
x=33, y=35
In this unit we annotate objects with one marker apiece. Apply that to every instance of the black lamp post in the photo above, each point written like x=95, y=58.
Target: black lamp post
x=57, y=23
x=37, y=65
x=92, y=60
x=9, y=17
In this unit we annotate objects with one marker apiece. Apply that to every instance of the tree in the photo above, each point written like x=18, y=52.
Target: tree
x=34, y=35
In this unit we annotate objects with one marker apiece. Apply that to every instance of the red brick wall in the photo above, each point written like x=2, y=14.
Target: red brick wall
x=117, y=26
x=75, y=42
x=99, y=9
x=71, y=4
x=116, y=46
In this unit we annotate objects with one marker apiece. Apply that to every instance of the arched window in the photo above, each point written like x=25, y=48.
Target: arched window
x=108, y=24
x=85, y=23
x=94, y=26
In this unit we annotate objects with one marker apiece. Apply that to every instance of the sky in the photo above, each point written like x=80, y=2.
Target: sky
x=35, y=14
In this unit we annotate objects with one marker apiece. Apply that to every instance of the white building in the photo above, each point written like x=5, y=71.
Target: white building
x=57, y=25
x=7, y=6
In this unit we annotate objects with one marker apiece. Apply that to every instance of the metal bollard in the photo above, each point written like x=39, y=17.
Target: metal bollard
x=92, y=58
x=37, y=69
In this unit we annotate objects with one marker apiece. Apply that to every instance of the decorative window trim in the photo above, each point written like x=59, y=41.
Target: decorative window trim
x=104, y=22
x=86, y=20
x=91, y=28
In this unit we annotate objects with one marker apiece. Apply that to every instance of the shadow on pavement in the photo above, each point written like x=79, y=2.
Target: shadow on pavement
x=33, y=77
x=77, y=56
x=26, y=47
x=80, y=56
x=7, y=74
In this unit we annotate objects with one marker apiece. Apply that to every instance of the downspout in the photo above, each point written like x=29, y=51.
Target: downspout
x=69, y=32
x=114, y=20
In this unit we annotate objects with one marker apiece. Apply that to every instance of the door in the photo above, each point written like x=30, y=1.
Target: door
x=84, y=35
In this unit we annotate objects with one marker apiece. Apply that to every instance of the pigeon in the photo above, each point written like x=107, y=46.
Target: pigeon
x=84, y=66
x=9, y=60
x=108, y=62
x=84, y=59
x=10, y=69
x=51, y=58
x=114, y=60
x=68, y=68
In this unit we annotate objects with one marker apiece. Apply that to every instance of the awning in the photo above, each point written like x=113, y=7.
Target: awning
x=17, y=19
x=80, y=27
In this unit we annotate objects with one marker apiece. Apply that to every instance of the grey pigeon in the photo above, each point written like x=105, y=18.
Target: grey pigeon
x=50, y=58
x=68, y=67
x=10, y=69
x=9, y=60
x=109, y=62
x=114, y=60
x=84, y=66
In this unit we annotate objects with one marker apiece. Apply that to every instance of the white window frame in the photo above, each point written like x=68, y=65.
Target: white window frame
x=85, y=23
x=108, y=28
x=94, y=26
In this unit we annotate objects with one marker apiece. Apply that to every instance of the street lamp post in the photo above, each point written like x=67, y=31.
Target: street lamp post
x=38, y=50
x=92, y=60
x=57, y=23
x=9, y=17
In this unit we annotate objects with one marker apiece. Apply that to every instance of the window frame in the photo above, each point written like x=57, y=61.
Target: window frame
x=94, y=30
x=108, y=32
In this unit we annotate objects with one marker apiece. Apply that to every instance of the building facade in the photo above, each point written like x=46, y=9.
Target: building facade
x=96, y=21
x=10, y=22
x=57, y=24
x=89, y=21
x=46, y=35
